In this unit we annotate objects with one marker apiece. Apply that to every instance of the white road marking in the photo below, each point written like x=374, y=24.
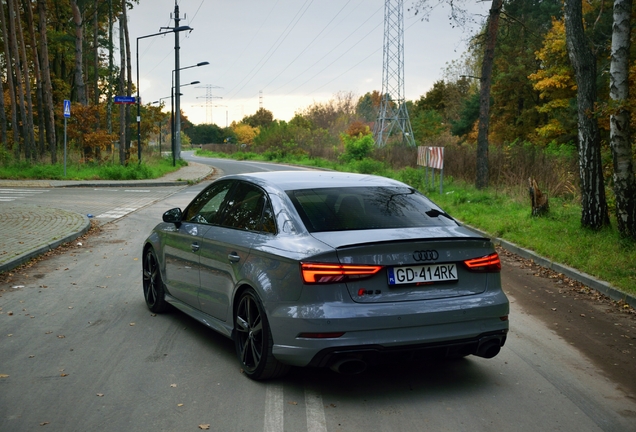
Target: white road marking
x=7, y=195
x=138, y=190
x=116, y=213
x=316, y=421
x=274, y=408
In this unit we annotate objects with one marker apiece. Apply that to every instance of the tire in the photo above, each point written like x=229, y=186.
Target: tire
x=253, y=339
x=154, y=292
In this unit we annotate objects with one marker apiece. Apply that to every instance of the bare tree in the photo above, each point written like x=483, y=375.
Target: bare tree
x=620, y=131
x=46, y=78
x=594, y=212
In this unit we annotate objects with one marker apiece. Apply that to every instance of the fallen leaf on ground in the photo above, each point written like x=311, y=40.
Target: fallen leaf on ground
x=292, y=403
x=204, y=426
x=61, y=336
x=44, y=423
x=63, y=374
x=173, y=385
x=179, y=405
x=100, y=394
x=132, y=324
x=4, y=376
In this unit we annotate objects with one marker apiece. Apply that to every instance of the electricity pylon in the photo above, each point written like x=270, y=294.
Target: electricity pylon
x=393, y=116
x=209, y=103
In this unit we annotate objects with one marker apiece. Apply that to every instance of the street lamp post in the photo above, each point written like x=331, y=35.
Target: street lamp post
x=172, y=121
x=176, y=31
x=177, y=109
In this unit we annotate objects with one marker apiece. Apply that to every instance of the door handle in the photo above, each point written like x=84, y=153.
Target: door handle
x=233, y=257
x=195, y=247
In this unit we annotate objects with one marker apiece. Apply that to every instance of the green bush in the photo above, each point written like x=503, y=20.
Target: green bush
x=357, y=148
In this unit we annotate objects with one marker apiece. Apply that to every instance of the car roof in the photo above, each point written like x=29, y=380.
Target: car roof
x=294, y=180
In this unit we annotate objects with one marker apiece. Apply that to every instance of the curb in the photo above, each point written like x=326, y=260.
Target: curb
x=27, y=256
x=572, y=273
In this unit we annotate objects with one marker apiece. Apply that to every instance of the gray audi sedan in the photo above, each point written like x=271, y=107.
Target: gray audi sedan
x=327, y=269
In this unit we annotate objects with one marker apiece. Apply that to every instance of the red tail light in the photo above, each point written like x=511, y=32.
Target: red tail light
x=488, y=264
x=314, y=273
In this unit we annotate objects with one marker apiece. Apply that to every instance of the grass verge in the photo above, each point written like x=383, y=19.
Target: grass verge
x=151, y=168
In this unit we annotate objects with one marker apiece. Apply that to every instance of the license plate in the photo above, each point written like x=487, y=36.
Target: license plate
x=422, y=273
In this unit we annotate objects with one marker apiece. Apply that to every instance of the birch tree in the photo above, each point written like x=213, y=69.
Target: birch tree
x=620, y=131
x=594, y=212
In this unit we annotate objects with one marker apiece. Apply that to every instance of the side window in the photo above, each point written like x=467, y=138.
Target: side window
x=249, y=209
x=206, y=207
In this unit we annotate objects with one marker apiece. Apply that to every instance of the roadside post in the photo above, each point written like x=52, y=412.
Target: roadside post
x=67, y=114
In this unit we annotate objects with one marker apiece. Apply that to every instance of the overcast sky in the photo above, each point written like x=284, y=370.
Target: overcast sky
x=296, y=52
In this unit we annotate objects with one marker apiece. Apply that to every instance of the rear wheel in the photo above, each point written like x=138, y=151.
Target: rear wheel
x=253, y=339
x=154, y=292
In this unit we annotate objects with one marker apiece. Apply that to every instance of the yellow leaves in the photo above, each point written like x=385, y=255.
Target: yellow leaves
x=245, y=133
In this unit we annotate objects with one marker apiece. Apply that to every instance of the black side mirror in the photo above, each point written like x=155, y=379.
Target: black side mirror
x=173, y=216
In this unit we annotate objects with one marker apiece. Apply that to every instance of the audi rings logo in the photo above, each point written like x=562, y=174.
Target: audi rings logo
x=425, y=255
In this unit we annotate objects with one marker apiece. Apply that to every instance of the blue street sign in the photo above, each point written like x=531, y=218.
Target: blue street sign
x=67, y=108
x=125, y=99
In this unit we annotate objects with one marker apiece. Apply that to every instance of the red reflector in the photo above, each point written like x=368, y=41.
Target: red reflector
x=321, y=335
x=504, y=318
x=489, y=263
x=329, y=273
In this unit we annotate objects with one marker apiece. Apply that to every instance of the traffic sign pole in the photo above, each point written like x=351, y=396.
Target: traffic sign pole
x=67, y=114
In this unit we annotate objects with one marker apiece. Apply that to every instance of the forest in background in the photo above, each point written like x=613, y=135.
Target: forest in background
x=64, y=49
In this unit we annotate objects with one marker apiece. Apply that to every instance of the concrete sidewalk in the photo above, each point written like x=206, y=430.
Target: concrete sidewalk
x=27, y=231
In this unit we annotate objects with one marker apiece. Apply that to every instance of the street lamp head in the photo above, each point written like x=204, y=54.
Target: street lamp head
x=195, y=82
x=182, y=28
x=205, y=63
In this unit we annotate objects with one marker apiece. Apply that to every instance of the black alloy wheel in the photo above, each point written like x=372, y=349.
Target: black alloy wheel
x=253, y=339
x=154, y=292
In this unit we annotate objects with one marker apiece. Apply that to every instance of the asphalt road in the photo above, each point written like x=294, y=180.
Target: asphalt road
x=79, y=351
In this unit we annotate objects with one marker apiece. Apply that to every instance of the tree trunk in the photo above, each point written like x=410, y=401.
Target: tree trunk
x=3, y=115
x=484, y=94
x=122, y=86
x=30, y=150
x=27, y=6
x=96, y=57
x=80, y=86
x=594, y=213
x=15, y=54
x=10, y=81
x=620, y=142
x=49, y=109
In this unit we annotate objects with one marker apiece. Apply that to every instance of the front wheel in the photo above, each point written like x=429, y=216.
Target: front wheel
x=154, y=292
x=253, y=339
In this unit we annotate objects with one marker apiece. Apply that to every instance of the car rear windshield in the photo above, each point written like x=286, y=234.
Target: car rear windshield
x=363, y=208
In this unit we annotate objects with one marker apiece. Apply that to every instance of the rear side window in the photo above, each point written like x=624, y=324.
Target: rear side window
x=249, y=209
x=362, y=208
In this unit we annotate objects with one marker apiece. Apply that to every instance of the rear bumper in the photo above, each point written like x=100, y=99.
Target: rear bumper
x=378, y=354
